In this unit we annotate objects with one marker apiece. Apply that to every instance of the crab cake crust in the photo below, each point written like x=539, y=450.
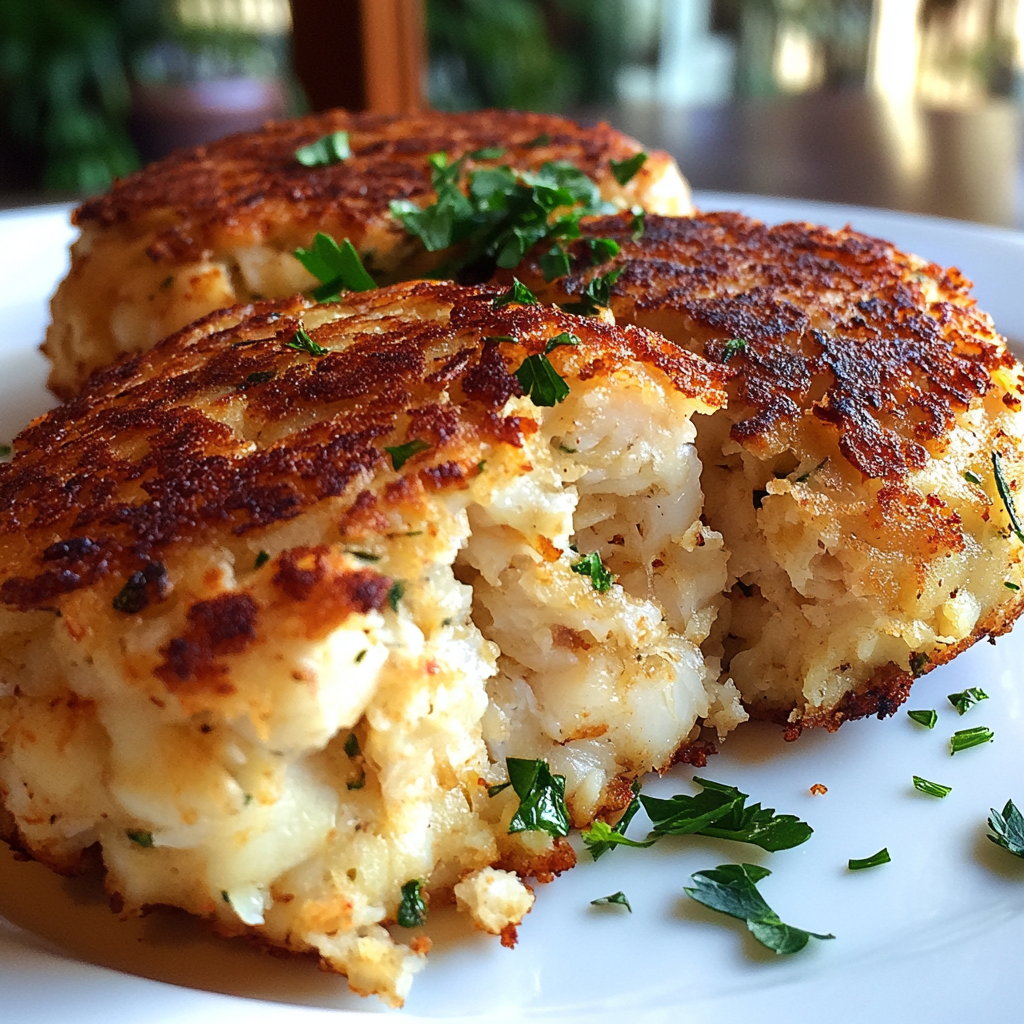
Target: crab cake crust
x=212, y=226
x=852, y=473
x=271, y=618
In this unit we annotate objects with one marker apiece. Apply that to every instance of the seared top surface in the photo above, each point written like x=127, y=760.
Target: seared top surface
x=249, y=182
x=225, y=428
x=846, y=328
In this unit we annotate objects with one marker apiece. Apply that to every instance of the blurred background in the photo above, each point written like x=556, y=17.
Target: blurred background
x=904, y=104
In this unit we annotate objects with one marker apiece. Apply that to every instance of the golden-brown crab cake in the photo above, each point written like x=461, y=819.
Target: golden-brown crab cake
x=253, y=596
x=852, y=474
x=208, y=227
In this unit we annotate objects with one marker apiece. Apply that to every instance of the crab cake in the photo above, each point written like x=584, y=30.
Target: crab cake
x=867, y=471
x=208, y=227
x=281, y=595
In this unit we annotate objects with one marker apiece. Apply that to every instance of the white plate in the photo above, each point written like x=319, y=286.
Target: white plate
x=936, y=935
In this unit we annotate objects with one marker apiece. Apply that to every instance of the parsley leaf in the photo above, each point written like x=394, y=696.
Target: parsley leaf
x=335, y=267
x=518, y=294
x=1008, y=828
x=876, y=859
x=964, y=739
x=412, y=911
x=639, y=222
x=1007, y=495
x=602, y=249
x=591, y=565
x=596, y=295
x=600, y=840
x=616, y=898
x=262, y=557
x=540, y=381
x=719, y=811
x=973, y=478
x=395, y=594
x=733, y=347
x=541, y=798
x=302, y=342
x=925, y=718
x=966, y=699
x=402, y=453
x=624, y=170
x=554, y=263
x=331, y=149
x=732, y=889
x=931, y=788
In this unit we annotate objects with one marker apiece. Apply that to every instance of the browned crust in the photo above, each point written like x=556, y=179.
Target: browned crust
x=543, y=866
x=249, y=184
x=142, y=461
x=837, y=326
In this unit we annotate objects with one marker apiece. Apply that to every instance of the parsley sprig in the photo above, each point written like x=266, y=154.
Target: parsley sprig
x=601, y=836
x=330, y=149
x=596, y=295
x=540, y=381
x=336, y=267
x=1008, y=828
x=732, y=889
x=499, y=213
x=591, y=565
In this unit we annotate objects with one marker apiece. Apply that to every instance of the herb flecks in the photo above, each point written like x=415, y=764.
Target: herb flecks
x=638, y=224
x=336, y=267
x=874, y=861
x=1008, y=829
x=964, y=739
x=617, y=899
x=140, y=837
x=623, y=171
x=1007, y=496
x=733, y=347
x=601, y=579
x=302, y=342
x=597, y=294
x=966, y=699
x=412, y=910
x=330, y=149
x=931, y=788
x=517, y=294
x=142, y=586
x=926, y=718
x=402, y=453
x=541, y=798
x=395, y=594
x=554, y=263
x=732, y=889
x=262, y=557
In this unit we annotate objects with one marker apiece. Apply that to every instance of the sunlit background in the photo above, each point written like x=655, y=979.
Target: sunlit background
x=912, y=104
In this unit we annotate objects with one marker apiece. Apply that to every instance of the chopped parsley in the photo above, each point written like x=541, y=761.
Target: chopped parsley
x=518, y=294
x=720, y=812
x=591, y=565
x=331, y=149
x=602, y=249
x=363, y=556
x=966, y=699
x=502, y=213
x=973, y=478
x=541, y=798
x=625, y=170
x=395, y=594
x=931, y=788
x=402, y=453
x=1010, y=585
x=964, y=739
x=616, y=899
x=596, y=295
x=134, y=596
x=302, y=342
x=540, y=381
x=352, y=745
x=335, y=266
x=602, y=837
x=882, y=857
x=224, y=896
x=260, y=377
x=554, y=263
x=1007, y=495
x=733, y=347
x=412, y=911
x=925, y=718
x=261, y=559
x=638, y=224
x=5, y=450
x=1008, y=829
x=140, y=838
x=732, y=889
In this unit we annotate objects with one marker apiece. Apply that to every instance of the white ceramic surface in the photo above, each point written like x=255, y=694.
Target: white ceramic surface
x=937, y=935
